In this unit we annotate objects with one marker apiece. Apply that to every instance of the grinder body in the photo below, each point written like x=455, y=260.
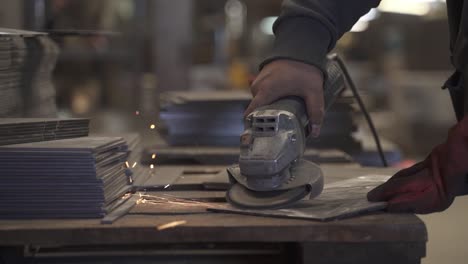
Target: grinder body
x=271, y=172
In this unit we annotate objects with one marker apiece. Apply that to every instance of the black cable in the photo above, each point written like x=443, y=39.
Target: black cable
x=363, y=108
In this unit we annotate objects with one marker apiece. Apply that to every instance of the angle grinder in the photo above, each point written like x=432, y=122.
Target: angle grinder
x=271, y=173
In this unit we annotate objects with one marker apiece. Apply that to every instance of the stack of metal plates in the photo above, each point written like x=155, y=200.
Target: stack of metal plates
x=216, y=119
x=71, y=178
x=27, y=60
x=204, y=118
x=26, y=130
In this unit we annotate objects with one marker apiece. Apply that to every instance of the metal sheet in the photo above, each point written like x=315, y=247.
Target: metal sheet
x=338, y=200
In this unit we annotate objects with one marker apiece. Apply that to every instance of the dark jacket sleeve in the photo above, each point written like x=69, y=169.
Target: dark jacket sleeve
x=308, y=29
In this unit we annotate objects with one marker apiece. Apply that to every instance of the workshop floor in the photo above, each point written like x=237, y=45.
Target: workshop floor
x=448, y=234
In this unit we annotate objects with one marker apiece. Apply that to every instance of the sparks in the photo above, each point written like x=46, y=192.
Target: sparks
x=153, y=156
x=171, y=225
x=152, y=166
x=126, y=196
x=153, y=126
x=134, y=165
x=167, y=186
x=127, y=164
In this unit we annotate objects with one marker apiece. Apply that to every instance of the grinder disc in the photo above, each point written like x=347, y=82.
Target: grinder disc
x=241, y=197
x=306, y=183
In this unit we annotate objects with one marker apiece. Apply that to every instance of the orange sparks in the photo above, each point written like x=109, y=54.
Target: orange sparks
x=126, y=196
x=171, y=225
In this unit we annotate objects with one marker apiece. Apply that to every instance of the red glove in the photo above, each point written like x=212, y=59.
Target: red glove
x=432, y=185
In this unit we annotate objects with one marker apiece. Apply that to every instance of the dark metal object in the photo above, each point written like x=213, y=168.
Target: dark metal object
x=190, y=120
x=26, y=130
x=72, y=178
x=26, y=63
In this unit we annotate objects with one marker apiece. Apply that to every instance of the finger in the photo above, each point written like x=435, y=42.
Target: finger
x=252, y=106
x=261, y=99
x=396, y=186
x=259, y=82
x=254, y=89
x=316, y=112
x=406, y=203
x=411, y=170
x=252, y=79
x=422, y=202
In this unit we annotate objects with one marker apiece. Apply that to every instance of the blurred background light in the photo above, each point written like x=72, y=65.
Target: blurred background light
x=408, y=7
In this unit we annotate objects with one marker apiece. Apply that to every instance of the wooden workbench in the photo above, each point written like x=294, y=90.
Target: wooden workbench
x=377, y=238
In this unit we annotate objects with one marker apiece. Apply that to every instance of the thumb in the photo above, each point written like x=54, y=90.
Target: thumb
x=398, y=186
x=254, y=104
x=316, y=112
x=259, y=100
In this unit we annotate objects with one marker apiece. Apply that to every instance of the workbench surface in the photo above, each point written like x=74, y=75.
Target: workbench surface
x=211, y=227
x=141, y=228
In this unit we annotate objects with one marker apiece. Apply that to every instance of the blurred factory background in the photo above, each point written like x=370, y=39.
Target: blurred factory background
x=398, y=55
x=181, y=68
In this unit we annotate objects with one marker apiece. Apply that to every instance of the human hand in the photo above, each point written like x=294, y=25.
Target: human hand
x=432, y=185
x=282, y=78
x=413, y=190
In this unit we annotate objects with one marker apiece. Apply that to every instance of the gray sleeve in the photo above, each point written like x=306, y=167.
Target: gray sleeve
x=308, y=29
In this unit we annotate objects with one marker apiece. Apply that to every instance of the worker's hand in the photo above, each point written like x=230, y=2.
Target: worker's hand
x=414, y=190
x=282, y=78
x=432, y=185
